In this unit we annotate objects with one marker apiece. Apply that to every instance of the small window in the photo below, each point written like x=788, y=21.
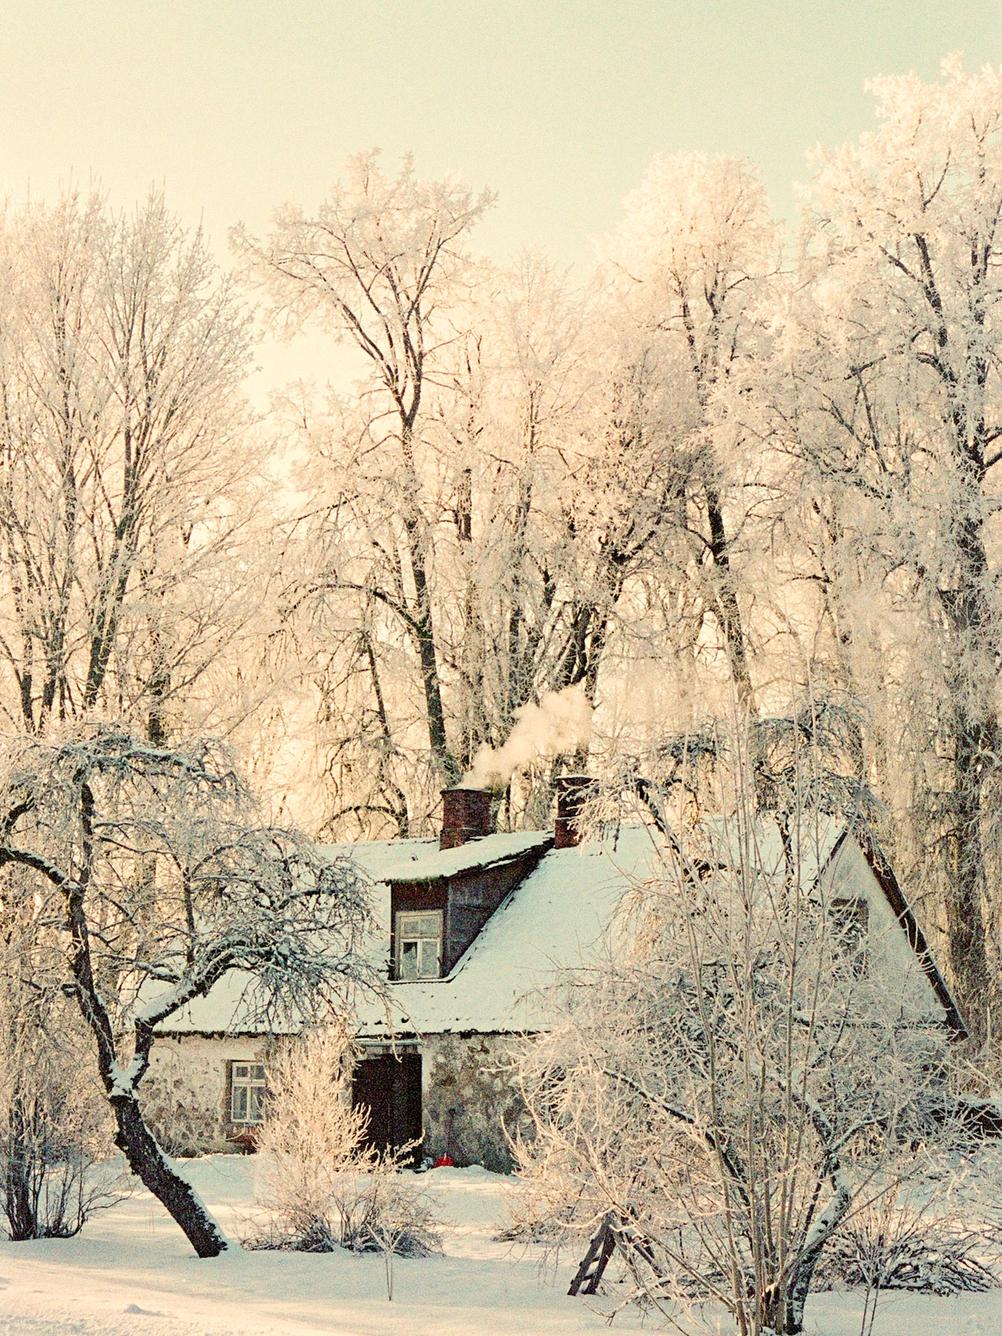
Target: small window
x=247, y=1092
x=850, y=921
x=419, y=945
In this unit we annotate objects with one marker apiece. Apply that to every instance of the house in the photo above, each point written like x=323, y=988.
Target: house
x=473, y=926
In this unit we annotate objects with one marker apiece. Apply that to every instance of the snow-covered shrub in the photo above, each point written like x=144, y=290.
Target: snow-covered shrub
x=729, y=1082
x=321, y=1186
x=943, y=1236
x=55, y=1124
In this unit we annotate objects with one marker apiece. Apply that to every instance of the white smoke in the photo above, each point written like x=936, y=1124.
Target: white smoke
x=561, y=722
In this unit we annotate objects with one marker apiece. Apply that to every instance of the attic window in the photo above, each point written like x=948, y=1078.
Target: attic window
x=247, y=1085
x=850, y=921
x=419, y=945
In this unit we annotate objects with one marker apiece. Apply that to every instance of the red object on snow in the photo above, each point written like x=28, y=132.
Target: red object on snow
x=444, y=1162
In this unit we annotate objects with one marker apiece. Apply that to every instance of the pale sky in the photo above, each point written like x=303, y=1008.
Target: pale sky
x=238, y=105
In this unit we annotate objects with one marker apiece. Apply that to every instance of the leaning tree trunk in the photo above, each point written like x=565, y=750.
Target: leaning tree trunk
x=149, y=1163
x=133, y=1138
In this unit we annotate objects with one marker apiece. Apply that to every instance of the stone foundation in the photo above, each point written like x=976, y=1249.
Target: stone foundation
x=467, y=1097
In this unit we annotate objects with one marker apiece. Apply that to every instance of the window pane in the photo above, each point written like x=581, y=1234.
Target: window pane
x=239, y=1105
x=428, y=966
x=408, y=960
x=419, y=925
x=256, y=1072
x=239, y=1071
x=256, y=1111
x=850, y=921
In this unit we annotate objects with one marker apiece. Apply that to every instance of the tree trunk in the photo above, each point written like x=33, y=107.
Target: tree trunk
x=133, y=1138
x=424, y=637
x=975, y=751
x=20, y=1198
x=389, y=789
x=726, y=609
x=474, y=728
x=148, y=1162
x=422, y=620
x=965, y=900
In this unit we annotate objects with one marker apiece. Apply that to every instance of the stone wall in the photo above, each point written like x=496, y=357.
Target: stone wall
x=468, y=1099
x=185, y=1095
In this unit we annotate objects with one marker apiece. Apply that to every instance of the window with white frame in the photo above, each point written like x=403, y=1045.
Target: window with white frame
x=247, y=1087
x=419, y=944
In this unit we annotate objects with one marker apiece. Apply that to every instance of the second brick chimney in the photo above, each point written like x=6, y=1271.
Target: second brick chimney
x=573, y=791
x=466, y=815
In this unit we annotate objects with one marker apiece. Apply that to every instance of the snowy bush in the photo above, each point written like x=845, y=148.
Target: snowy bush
x=729, y=1083
x=55, y=1124
x=321, y=1185
x=943, y=1236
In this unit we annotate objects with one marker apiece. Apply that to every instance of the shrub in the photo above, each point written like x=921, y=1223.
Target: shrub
x=321, y=1185
x=55, y=1124
x=945, y=1240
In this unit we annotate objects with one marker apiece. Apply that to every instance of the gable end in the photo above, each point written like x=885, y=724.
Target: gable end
x=883, y=873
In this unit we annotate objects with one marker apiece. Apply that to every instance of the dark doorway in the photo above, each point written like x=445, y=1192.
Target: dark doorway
x=389, y=1086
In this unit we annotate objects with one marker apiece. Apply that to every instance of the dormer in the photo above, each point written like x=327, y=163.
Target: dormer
x=441, y=898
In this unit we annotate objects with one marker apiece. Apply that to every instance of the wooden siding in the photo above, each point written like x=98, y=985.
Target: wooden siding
x=466, y=899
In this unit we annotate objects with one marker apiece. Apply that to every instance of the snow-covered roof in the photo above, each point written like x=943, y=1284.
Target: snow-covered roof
x=550, y=921
x=763, y=845
x=554, y=919
x=422, y=860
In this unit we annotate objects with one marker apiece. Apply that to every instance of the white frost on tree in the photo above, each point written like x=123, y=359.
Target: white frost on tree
x=728, y=1084
x=153, y=867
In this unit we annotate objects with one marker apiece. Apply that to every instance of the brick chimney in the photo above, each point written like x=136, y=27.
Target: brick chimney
x=573, y=791
x=466, y=815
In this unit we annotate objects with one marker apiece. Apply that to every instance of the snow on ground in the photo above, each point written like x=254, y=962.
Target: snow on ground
x=131, y=1273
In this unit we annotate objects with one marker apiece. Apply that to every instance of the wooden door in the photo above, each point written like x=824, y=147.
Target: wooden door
x=389, y=1086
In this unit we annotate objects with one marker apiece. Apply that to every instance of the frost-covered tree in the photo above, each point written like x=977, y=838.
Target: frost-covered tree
x=893, y=400
x=155, y=871
x=728, y=1084
x=126, y=470
x=381, y=264
x=694, y=258
x=54, y=1119
x=516, y=390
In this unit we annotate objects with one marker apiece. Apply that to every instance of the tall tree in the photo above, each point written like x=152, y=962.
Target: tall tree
x=379, y=264
x=694, y=255
x=124, y=442
x=896, y=378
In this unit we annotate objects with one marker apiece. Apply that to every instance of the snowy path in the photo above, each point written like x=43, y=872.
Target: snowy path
x=131, y=1274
